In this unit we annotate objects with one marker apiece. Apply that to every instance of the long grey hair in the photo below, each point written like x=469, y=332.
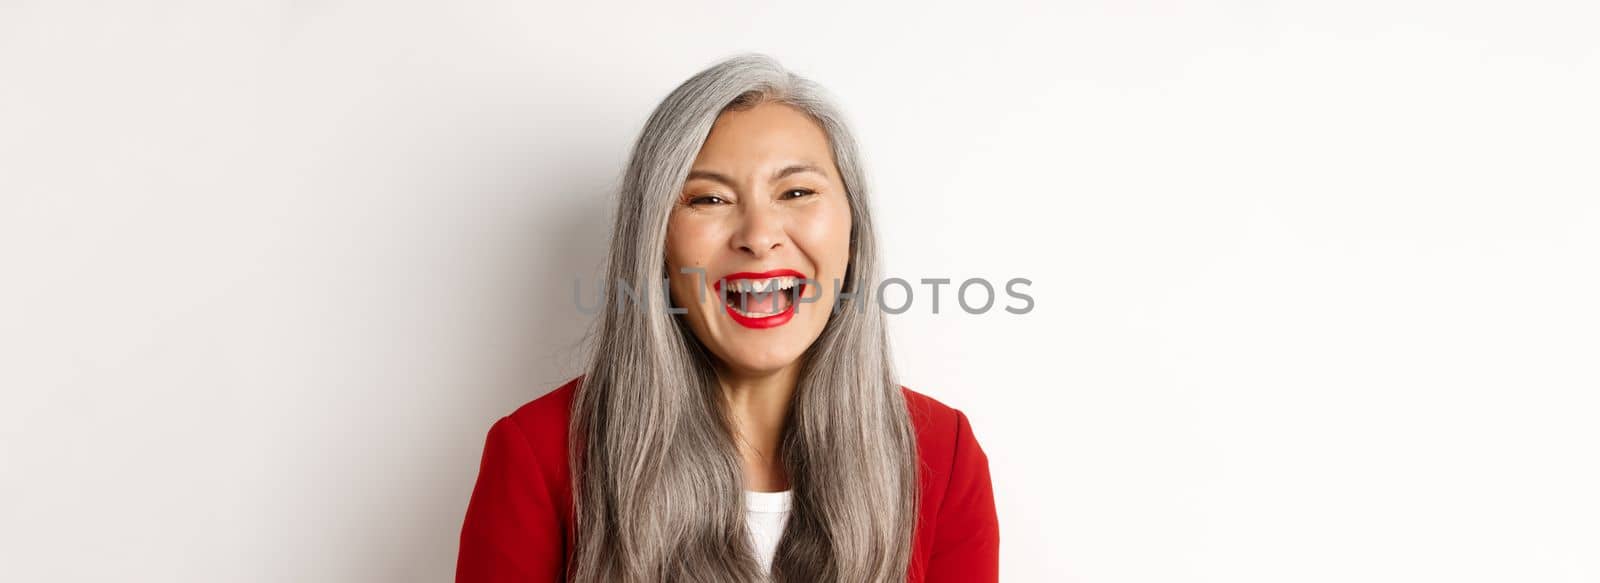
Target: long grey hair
x=657, y=479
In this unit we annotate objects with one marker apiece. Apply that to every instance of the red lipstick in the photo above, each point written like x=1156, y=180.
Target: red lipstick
x=778, y=319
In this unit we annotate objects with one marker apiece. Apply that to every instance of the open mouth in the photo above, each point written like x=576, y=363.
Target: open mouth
x=761, y=300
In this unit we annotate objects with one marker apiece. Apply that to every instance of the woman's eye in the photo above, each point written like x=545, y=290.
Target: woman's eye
x=706, y=199
x=801, y=191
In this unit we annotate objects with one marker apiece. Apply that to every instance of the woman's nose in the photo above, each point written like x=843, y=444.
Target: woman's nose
x=760, y=231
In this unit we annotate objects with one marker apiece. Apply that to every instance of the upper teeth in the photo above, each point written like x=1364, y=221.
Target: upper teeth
x=764, y=285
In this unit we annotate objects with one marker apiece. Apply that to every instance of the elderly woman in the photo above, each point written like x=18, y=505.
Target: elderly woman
x=746, y=424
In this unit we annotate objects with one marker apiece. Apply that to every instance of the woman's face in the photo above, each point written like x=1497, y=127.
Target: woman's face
x=763, y=207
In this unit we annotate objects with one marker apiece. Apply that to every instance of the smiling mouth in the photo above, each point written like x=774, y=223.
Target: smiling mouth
x=761, y=300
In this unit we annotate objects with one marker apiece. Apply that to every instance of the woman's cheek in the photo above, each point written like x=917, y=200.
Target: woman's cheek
x=819, y=223
x=827, y=235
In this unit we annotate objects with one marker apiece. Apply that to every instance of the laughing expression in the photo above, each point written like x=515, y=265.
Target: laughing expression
x=762, y=212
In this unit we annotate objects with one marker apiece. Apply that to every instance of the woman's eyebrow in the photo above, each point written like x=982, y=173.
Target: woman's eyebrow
x=709, y=175
x=779, y=175
x=795, y=169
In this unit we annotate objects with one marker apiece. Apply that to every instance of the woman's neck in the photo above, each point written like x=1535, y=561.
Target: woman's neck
x=758, y=404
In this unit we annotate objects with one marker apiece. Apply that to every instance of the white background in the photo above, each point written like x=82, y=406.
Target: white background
x=1315, y=282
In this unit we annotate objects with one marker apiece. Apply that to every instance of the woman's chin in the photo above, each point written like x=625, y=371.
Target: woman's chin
x=761, y=364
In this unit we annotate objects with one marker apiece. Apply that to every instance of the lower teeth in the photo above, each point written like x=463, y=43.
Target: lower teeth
x=750, y=314
x=734, y=301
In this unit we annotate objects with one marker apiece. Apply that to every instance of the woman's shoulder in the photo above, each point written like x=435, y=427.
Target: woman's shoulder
x=544, y=421
x=550, y=407
x=929, y=414
x=958, y=529
x=940, y=428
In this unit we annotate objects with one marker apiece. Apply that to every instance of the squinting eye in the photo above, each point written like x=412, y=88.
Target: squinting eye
x=707, y=199
x=802, y=191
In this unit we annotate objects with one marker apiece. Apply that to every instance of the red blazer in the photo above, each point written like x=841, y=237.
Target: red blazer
x=519, y=522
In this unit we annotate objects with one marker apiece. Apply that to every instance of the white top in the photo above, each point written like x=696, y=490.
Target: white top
x=766, y=513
